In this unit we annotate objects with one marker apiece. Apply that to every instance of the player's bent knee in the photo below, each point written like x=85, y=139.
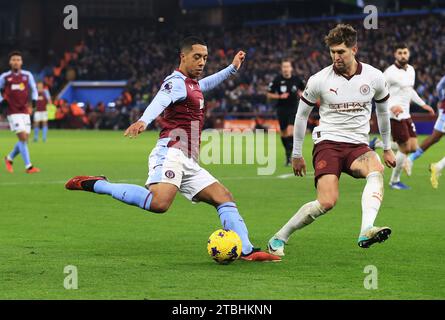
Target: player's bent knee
x=327, y=204
x=379, y=168
x=159, y=206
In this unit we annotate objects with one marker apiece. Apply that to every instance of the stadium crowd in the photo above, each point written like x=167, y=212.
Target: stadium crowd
x=144, y=57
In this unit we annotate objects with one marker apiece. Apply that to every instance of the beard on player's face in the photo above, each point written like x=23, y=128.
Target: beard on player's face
x=402, y=61
x=342, y=64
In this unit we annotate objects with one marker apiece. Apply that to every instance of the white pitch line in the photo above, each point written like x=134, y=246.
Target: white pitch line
x=309, y=175
x=283, y=176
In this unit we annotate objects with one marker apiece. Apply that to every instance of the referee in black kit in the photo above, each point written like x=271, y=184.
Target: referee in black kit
x=286, y=88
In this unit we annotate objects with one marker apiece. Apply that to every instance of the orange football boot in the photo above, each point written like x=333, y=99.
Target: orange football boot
x=76, y=182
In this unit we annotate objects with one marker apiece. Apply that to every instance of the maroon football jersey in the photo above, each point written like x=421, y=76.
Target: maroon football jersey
x=16, y=90
x=183, y=120
x=42, y=101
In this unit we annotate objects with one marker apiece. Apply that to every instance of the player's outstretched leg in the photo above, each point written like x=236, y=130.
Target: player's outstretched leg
x=327, y=190
x=128, y=193
x=305, y=216
x=217, y=195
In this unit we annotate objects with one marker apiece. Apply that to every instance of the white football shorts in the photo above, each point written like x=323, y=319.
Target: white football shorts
x=20, y=122
x=40, y=116
x=171, y=165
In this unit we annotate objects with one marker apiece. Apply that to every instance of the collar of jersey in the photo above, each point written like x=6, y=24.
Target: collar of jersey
x=183, y=75
x=400, y=67
x=357, y=72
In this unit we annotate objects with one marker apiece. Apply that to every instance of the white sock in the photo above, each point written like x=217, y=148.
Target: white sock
x=441, y=164
x=305, y=216
x=371, y=199
x=397, y=171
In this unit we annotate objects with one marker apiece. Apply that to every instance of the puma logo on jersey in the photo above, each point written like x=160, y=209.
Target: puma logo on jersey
x=335, y=91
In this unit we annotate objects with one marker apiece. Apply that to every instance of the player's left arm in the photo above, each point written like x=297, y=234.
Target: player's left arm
x=34, y=92
x=212, y=81
x=381, y=97
x=419, y=101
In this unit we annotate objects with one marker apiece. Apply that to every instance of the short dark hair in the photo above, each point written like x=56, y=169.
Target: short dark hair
x=14, y=53
x=287, y=60
x=188, y=42
x=400, y=45
x=342, y=33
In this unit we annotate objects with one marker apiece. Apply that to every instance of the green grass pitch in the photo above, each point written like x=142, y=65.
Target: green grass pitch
x=122, y=252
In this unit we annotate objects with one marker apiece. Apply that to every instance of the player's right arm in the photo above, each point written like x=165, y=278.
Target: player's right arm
x=172, y=90
x=305, y=106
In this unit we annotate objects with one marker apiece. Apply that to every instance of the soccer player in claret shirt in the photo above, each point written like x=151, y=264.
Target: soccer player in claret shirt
x=400, y=77
x=15, y=86
x=173, y=163
x=41, y=114
x=286, y=88
x=345, y=90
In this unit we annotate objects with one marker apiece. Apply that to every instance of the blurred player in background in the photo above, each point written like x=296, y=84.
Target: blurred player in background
x=436, y=171
x=439, y=127
x=173, y=163
x=400, y=77
x=345, y=90
x=286, y=88
x=15, y=86
x=41, y=114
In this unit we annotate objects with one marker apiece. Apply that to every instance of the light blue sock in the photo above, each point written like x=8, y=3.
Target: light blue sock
x=36, y=133
x=44, y=133
x=231, y=220
x=128, y=193
x=23, y=147
x=413, y=156
x=14, y=152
